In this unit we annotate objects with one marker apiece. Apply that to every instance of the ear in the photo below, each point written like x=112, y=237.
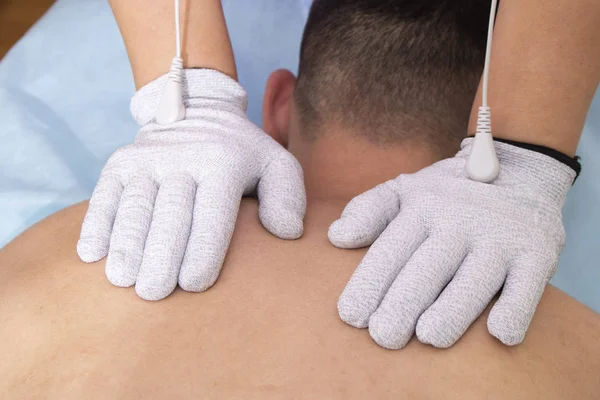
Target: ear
x=279, y=93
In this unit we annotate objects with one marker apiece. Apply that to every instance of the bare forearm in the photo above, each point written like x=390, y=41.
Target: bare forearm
x=148, y=29
x=545, y=69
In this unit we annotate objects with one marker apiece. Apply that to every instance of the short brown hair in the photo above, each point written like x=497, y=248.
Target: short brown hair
x=393, y=70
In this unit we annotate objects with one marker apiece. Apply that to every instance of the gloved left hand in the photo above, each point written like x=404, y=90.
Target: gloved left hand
x=444, y=245
x=165, y=207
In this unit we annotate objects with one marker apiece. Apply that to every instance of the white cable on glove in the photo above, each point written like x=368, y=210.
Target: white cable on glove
x=177, y=30
x=171, y=108
x=483, y=165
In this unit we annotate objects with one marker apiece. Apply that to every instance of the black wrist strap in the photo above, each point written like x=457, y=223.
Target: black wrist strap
x=571, y=162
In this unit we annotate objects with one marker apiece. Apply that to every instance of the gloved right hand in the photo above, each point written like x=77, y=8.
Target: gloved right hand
x=165, y=207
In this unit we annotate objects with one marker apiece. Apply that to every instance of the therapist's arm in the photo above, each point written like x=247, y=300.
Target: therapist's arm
x=545, y=68
x=148, y=29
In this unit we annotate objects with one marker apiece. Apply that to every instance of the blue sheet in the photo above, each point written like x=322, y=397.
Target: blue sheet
x=64, y=108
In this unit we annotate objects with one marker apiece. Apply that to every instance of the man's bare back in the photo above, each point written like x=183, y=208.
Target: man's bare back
x=268, y=329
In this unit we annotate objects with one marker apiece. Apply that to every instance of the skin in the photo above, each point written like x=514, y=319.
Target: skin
x=267, y=330
x=148, y=30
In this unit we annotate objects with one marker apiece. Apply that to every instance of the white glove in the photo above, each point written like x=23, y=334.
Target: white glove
x=447, y=246
x=165, y=207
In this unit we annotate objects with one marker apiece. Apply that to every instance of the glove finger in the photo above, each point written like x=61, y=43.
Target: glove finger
x=511, y=315
x=417, y=286
x=282, y=198
x=215, y=212
x=167, y=238
x=98, y=222
x=130, y=230
x=378, y=269
x=365, y=218
x=464, y=299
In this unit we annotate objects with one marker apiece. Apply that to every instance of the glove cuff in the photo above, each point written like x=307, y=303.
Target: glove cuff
x=201, y=88
x=572, y=162
x=527, y=167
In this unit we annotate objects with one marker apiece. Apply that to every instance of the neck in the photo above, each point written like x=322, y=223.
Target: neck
x=338, y=166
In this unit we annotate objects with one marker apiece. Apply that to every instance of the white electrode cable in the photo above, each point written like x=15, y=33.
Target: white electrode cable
x=171, y=108
x=488, y=54
x=483, y=165
x=177, y=30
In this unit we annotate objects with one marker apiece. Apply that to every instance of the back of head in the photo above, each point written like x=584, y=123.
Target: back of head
x=393, y=71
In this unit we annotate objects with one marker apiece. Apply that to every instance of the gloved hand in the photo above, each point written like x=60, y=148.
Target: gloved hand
x=165, y=207
x=447, y=246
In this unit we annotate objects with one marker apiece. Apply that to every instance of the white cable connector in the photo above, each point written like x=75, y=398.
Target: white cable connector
x=483, y=165
x=171, y=108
